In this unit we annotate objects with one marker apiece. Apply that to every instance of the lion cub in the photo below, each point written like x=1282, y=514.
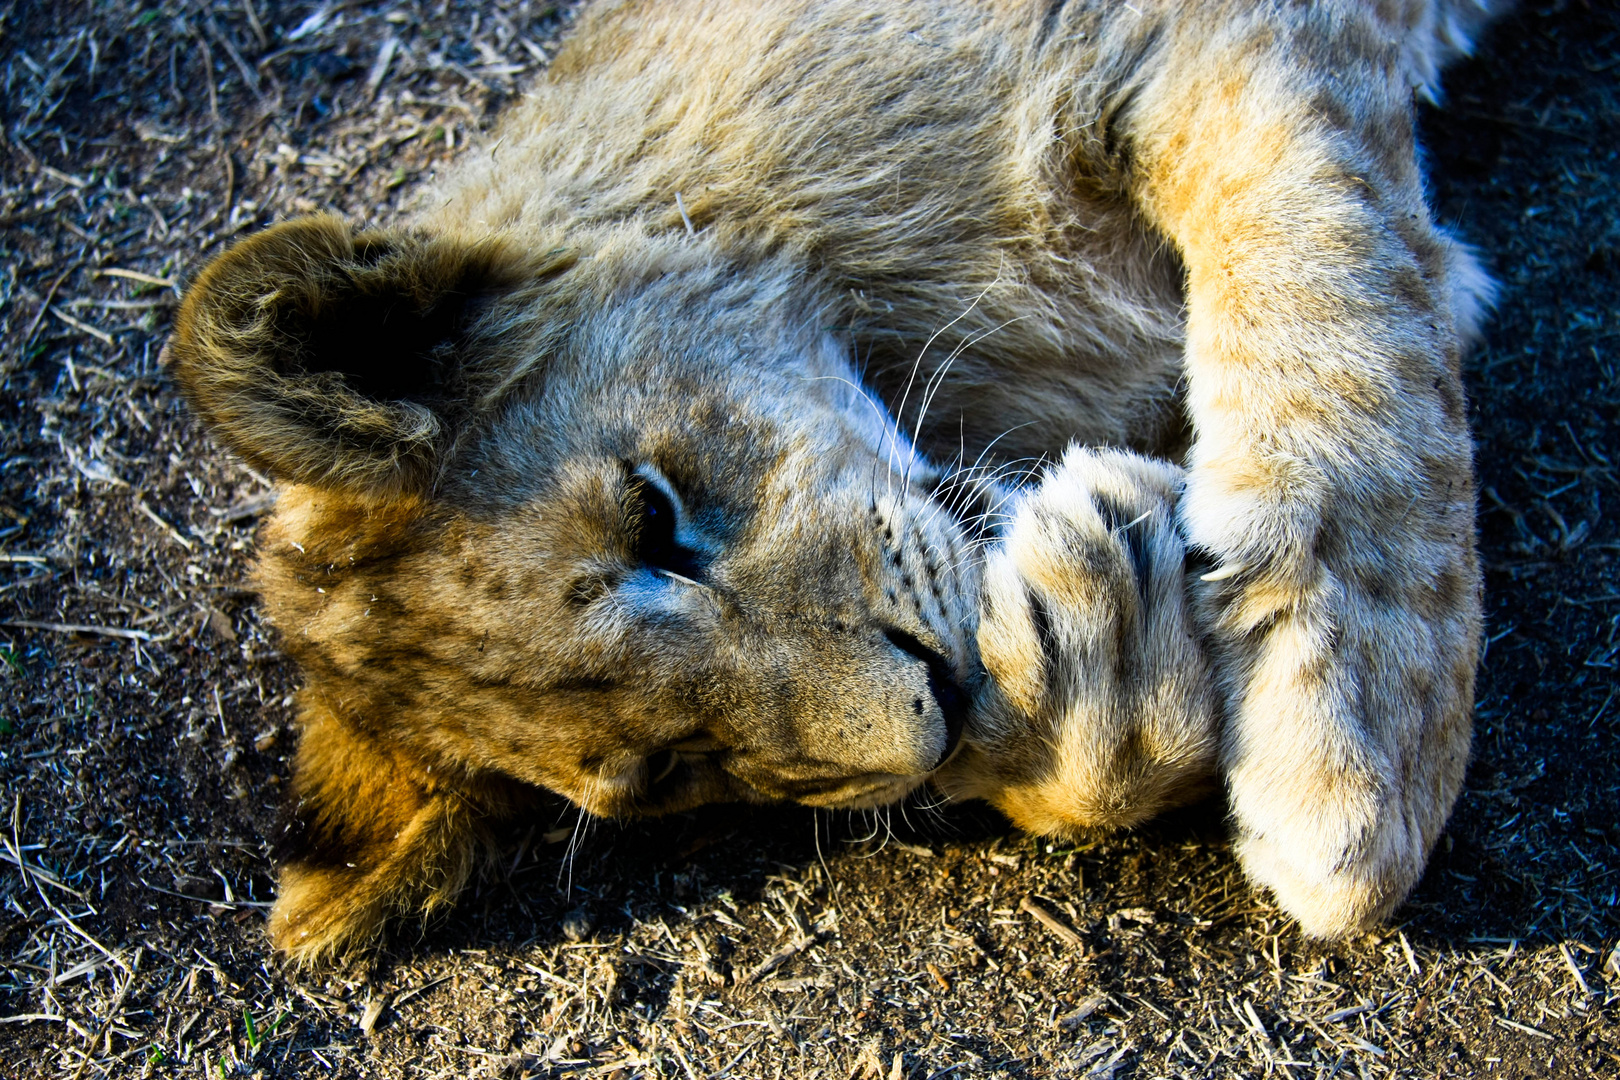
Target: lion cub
x=657, y=458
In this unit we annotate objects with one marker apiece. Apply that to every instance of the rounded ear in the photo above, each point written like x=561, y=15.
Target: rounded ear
x=330, y=357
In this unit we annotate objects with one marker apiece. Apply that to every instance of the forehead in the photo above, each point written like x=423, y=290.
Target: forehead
x=715, y=413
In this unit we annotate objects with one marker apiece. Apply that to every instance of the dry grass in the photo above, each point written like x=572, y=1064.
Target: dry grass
x=144, y=726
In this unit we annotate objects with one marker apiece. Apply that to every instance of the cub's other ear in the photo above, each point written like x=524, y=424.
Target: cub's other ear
x=327, y=356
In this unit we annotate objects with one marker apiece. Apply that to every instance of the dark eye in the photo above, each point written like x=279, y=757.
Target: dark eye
x=655, y=539
x=655, y=521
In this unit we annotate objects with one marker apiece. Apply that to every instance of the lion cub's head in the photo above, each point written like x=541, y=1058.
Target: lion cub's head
x=626, y=529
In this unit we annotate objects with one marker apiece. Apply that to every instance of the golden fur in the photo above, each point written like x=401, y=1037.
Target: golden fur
x=583, y=488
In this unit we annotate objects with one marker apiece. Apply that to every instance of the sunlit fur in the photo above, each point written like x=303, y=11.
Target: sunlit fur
x=1187, y=229
x=1100, y=712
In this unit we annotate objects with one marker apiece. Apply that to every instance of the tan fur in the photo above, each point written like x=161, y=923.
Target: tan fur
x=1192, y=230
x=1100, y=711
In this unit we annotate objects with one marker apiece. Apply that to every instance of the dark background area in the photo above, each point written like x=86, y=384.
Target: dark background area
x=141, y=756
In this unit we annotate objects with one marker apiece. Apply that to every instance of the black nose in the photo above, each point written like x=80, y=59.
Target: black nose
x=955, y=710
x=948, y=694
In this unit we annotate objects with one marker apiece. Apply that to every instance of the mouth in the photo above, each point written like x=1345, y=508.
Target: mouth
x=673, y=775
x=863, y=792
x=955, y=718
x=671, y=778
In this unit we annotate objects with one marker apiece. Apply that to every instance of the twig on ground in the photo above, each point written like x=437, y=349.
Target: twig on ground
x=80, y=628
x=1052, y=923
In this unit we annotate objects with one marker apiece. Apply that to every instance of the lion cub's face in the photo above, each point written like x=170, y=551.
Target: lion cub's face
x=644, y=552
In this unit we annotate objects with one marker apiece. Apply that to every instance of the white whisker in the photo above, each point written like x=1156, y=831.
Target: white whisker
x=900, y=412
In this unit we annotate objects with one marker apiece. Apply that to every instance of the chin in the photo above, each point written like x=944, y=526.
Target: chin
x=865, y=793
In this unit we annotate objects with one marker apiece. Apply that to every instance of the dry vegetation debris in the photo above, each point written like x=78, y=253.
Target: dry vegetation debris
x=144, y=720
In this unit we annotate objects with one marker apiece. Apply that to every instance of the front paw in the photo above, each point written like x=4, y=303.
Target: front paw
x=1347, y=642
x=1098, y=711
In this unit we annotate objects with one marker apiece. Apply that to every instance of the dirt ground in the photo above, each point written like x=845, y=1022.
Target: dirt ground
x=144, y=727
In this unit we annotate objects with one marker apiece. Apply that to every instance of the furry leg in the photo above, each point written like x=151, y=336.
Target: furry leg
x=370, y=836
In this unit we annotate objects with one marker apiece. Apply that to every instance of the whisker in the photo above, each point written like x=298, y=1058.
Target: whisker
x=937, y=379
x=832, y=884
x=911, y=380
x=582, y=826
